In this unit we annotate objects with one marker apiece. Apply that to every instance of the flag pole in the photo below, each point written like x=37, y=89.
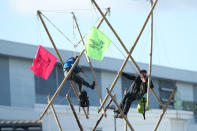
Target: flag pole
x=61, y=85
x=116, y=103
x=55, y=115
x=77, y=94
x=75, y=114
x=51, y=39
x=117, y=36
x=166, y=107
x=89, y=61
x=101, y=116
x=130, y=52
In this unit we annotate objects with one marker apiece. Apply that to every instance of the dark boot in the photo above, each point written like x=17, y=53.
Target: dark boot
x=117, y=111
x=93, y=85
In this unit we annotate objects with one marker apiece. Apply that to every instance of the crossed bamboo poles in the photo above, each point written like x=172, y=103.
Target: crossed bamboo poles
x=121, y=69
x=66, y=77
x=126, y=60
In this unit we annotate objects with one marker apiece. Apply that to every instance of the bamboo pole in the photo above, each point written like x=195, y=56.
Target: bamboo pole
x=125, y=125
x=125, y=62
x=151, y=50
x=101, y=116
x=164, y=111
x=75, y=114
x=61, y=85
x=98, y=121
x=77, y=94
x=55, y=115
x=117, y=36
x=89, y=61
x=98, y=26
x=51, y=39
x=159, y=101
x=124, y=117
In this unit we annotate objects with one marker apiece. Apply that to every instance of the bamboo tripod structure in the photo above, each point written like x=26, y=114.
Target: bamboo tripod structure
x=75, y=114
x=61, y=61
x=150, y=15
x=129, y=55
x=59, y=56
x=39, y=13
x=55, y=115
x=130, y=52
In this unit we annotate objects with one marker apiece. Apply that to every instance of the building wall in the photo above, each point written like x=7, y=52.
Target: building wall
x=173, y=120
x=22, y=86
x=107, y=78
x=153, y=101
x=19, y=95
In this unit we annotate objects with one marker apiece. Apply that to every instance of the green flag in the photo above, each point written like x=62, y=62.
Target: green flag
x=97, y=44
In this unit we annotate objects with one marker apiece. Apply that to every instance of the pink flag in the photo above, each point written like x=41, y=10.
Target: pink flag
x=43, y=63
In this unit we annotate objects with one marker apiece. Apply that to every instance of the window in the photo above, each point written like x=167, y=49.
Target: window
x=5, y=82
x=48, y=87
x=165, y=89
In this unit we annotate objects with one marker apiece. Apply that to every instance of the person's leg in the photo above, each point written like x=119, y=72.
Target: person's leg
x=79, y=80
x=128, y=102
x=124, y=100
x=122, y=103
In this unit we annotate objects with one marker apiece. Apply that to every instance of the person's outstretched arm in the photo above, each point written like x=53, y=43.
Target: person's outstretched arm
x=130, y=77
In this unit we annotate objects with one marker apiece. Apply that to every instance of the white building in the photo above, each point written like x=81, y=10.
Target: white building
x=23, y=96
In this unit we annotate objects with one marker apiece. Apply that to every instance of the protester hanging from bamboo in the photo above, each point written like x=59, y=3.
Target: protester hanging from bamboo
x=137, y=90
x=83, y=98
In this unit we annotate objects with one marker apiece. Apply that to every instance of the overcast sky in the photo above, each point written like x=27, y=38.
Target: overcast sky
x=175, y=28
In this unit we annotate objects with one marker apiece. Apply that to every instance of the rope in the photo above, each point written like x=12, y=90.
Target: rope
x=61, y=32
x=58, y=29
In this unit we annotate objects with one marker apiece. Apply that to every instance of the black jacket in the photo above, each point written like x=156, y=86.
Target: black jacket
x=139, y=88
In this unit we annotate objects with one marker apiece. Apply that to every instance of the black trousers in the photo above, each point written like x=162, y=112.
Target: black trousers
x=78, y=79
x=126, y=102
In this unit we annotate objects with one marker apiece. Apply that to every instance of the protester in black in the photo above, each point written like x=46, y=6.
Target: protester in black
x=137, y=91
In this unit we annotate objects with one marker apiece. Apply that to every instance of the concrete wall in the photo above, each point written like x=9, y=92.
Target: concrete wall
x=22, y=86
